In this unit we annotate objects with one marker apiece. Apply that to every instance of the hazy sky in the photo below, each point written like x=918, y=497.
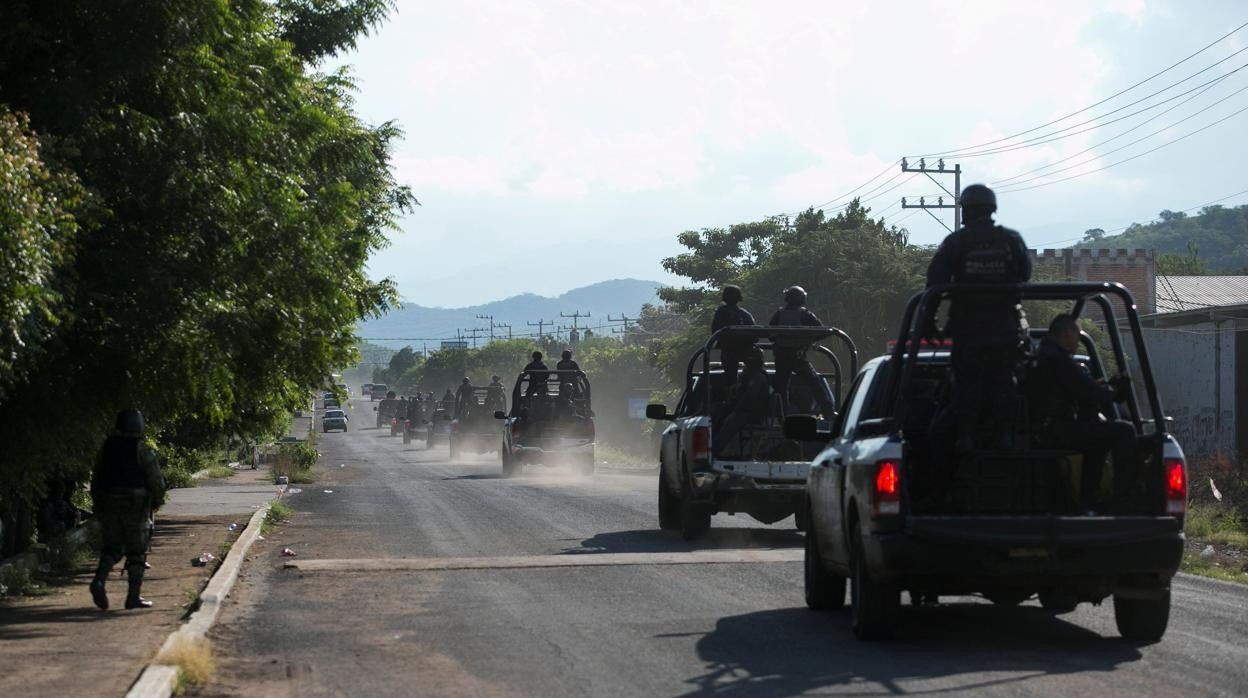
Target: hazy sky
x=554, y=144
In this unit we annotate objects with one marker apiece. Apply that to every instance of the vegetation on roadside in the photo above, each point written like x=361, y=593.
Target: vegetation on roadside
x=219, y=471
x=187, y=203
x=194, y=658
x=1217, y=519
x=278, y=512
x=1211, y=242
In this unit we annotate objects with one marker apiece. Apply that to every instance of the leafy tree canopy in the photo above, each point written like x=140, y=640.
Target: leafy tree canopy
x=1219, y=233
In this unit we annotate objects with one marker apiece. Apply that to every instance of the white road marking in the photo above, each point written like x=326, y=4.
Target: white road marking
x=432, y=564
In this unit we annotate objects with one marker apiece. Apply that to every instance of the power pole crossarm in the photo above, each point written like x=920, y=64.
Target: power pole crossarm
x=954, y=203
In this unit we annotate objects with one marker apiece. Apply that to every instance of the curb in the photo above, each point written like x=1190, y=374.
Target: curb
x=160, y=679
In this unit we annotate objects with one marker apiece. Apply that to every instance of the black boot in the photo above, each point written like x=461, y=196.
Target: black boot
x=135, y=577
x=97, y=585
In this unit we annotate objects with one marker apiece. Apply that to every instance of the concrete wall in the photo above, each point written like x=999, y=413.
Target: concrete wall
x=1194, y=363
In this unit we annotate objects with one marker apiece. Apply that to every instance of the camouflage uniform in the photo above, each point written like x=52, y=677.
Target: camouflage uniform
x=126, y=487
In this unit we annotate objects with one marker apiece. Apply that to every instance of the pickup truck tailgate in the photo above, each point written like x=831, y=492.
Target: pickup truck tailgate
x=793, y=471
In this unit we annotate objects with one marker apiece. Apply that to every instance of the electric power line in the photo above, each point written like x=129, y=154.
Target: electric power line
x=1122, y=228
x=1096, y=104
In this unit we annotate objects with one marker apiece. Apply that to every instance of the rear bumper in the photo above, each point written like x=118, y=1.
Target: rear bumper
x=539, y=452
x=1028, y=552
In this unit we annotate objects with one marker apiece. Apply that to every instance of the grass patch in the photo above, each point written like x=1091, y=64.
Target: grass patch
x=218, y=470
x=1194, y=564
x=615, y=456
x=194, y=659
x=1215, y=523
x=278, y=513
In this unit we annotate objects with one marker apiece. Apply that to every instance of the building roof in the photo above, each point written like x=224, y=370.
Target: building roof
x=1176, y=294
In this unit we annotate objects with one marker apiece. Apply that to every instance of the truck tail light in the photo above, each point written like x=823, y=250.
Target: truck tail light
x=701, y=444
x=515, y=430
x=1176, y=485
x=887, y=487
x=454, y=427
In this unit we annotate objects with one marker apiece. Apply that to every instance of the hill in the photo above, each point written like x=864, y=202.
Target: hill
x=1218, y=234
x=412, y=323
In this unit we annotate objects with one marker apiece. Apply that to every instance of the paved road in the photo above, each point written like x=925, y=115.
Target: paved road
x=405, y=628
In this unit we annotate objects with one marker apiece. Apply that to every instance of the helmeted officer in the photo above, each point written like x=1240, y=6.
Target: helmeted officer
x=1065, y=406
x=751, y=403
x=126, y=487
x=793, y=361
x=537, y=379
x=566, y=363
x=731, y=314
x=987, y=329
x=464, y=397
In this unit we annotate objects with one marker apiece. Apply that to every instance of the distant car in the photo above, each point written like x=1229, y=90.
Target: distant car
x=366, y=390
x=344, y=389
x=333, y=420
x=378, y=392
x=474, y=428
x=332, y=403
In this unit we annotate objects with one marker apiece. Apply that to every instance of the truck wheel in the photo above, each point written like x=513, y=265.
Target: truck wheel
x=1143, y=620
x=695, y=519
x=1058, y=602
x=509, y=462
x=454, y=452
x=669, y=504
x=801, y=518
x=824, y=591
x=875, y=607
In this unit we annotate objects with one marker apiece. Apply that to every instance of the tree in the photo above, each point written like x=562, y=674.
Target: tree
x=1093, y=235
x=235, y=198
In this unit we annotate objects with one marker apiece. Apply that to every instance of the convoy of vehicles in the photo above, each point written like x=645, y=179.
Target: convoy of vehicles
x=892, y=512
x=474, y=429
x=706, y=468
x=551, y=422
x=334, y=420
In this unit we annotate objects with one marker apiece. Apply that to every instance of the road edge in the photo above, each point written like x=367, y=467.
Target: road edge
x=158, y=679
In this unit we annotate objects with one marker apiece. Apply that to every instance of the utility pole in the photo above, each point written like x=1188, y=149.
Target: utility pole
x=624, y=319
x=475, y=332
x=576, y=316
x=540, y=325
x=954, y=195
x=508, y=326
x=491, y=319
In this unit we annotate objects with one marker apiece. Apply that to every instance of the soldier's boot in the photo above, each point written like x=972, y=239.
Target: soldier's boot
x=97, y=584
x=134, y=573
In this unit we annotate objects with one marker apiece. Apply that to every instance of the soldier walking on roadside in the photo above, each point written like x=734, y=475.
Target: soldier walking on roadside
x=126, y=487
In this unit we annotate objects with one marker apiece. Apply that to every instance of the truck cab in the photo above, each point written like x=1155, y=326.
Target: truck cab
x=711, y=462
x=893, y=510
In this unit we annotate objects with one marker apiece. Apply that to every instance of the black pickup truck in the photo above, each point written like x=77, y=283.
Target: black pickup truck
x=892, y=512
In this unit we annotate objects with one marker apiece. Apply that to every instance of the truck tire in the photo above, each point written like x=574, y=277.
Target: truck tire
x=875, y=607
x=695, y=518
x=1142, y=620
x=454, y=450
x=669, y=504
x=825, y=591
x=407, y=437
x=801, y=519
x=509, y=462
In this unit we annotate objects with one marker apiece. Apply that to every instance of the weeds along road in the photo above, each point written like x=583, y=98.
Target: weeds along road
x=635, y=629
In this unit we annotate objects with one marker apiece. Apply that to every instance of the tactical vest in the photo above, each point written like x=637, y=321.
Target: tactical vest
x=987, y=257
x=790, y=317
x=119, y=464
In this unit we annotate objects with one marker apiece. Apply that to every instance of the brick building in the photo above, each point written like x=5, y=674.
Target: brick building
x=1135, y=269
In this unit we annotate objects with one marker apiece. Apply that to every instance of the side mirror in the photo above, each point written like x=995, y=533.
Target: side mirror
x=873, y=427
x=499, y=414
x=657, y=411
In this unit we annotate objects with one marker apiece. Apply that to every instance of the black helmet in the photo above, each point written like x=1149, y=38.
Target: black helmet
x=754, y=357
x=466, y=381
x=537, y=356
x=389, y=394
x=732, y=294
x=495, y=378
x=795, y=295
x=130, y=422
x=567, y=354
x=977, y=200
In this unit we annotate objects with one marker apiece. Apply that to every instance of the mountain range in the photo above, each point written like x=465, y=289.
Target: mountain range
x=413, y=324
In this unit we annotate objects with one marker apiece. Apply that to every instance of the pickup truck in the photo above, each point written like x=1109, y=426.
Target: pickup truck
x=474, y=429
x=551, y=422
x=891, y=511
x=756, y=469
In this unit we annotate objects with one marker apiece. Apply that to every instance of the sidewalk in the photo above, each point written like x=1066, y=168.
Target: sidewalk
x=60, y=644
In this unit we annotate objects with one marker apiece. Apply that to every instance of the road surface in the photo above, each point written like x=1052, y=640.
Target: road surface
x=458, y=596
